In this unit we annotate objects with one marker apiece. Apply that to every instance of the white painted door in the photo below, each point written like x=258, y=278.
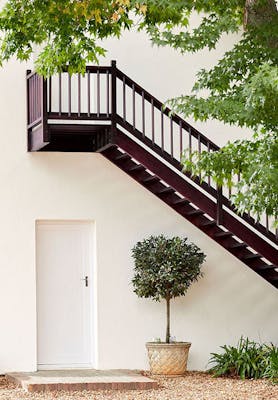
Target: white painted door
x=64, y=294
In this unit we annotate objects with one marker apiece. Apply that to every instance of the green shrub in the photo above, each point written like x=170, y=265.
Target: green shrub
x=248, y=359
x=271, y=363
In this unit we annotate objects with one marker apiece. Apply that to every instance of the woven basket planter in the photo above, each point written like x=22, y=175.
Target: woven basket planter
x=168, y=358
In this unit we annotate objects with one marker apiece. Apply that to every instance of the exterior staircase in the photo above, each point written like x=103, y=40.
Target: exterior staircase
x=107, y=112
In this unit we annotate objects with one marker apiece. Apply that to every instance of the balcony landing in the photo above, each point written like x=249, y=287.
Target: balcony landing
x=73, y=137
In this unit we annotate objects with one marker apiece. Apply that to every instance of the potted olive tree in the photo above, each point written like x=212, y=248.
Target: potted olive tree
x=164, y=269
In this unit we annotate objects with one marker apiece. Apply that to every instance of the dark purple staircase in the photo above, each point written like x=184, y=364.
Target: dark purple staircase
x=133, y=130
x=161, y=181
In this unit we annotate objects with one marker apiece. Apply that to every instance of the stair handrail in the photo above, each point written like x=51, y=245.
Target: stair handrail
x=217, y=193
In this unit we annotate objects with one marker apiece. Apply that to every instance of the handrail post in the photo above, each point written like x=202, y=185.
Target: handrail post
x=219, y=205
x=113, y=99
x=28, y=109
x=44, y=109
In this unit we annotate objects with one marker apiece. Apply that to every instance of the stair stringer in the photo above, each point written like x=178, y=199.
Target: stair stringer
x=195, y=206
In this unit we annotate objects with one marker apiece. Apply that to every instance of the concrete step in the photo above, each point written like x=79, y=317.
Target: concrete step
x=79, y=380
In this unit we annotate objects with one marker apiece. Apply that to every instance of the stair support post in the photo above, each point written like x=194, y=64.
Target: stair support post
x=219, y=206
x=27, y=109
x=44, y=109
x=113, y=100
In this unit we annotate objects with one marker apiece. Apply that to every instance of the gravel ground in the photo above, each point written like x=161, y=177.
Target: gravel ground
x=193, y=386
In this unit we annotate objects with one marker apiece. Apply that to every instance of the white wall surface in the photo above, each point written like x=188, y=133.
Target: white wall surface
x=166, y=73
x=228, y=302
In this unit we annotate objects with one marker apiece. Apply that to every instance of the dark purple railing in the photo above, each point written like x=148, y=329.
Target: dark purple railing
x=86, y=97
x=169, y=136
x=34, y=98
x=107, y=94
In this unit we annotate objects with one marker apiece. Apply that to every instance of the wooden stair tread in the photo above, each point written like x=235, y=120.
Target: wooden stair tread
x=151, y=179
x=265, y=267
x=251, y=256
x=208, y=223
x=123, y=157
x=223, y=234
x=194, y=213
x=166, y=190
x=238, y=246
x=180, y=202
x=136, y=168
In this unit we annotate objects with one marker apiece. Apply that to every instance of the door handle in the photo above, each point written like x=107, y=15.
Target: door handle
x=86, y=281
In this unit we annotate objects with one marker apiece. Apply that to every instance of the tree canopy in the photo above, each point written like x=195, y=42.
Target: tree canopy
x=241, y=89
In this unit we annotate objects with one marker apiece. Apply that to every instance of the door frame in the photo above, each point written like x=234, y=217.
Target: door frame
x=92, y=309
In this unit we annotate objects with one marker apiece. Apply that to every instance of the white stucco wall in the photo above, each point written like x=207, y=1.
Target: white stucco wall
x=229, y=301
x=166, y=73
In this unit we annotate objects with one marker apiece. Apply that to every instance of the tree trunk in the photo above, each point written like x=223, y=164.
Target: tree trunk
x=259, y=12
x=168, y=320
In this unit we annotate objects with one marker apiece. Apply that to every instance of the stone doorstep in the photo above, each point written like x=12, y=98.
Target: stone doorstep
x=79, y=380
